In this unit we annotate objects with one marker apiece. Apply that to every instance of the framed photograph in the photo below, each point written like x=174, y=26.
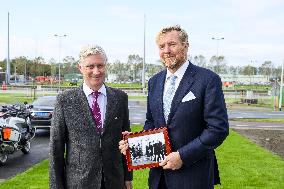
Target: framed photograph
x=147, y=148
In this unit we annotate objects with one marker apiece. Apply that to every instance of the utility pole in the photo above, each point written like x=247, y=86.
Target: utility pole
x=281, y=88
x=8, y=57
x=143, y=71
x=25, y=79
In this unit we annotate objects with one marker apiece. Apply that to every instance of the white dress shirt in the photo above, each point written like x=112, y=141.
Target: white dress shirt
x=102, y=99
x=179, y=73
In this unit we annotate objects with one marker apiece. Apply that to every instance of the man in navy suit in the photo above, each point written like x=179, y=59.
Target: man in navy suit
x=189, y=101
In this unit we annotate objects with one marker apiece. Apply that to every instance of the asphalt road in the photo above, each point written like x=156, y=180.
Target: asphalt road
x=18, y=162
x=137, y=112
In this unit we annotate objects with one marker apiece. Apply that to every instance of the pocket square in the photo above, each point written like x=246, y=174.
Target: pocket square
x=188, y=97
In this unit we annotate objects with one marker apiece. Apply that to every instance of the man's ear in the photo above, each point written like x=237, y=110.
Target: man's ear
x=79, y=67
x=186, y=44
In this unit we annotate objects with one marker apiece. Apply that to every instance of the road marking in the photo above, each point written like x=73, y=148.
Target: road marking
x=241, y=125
x=239, y=117
x=275, y=114
x=135, y=123
x=2, y=180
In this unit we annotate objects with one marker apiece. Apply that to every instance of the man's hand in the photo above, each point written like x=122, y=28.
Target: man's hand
x=128, y=185
x=123, y=144
x=172, y=161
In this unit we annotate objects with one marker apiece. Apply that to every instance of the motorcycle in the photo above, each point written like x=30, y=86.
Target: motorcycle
x=16, y=130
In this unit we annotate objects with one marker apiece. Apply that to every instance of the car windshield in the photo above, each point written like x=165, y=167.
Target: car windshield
x=45, y=101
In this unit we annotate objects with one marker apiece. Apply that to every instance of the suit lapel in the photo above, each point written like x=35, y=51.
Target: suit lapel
x=182, y=90
x=111, y=107
x=83, y=102
x=160, y=93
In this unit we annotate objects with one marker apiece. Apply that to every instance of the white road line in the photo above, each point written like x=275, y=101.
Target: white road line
x=275, y=114
x=2, y=180
x=135, y=123
x=241, y=125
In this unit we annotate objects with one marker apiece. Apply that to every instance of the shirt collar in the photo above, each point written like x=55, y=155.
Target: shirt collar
x=180, y=72
x=87, y=90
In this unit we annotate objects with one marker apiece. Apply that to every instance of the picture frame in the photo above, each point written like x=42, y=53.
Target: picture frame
x=147, y=148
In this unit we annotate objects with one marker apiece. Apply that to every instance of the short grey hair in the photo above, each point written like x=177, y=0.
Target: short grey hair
x=91, y=50
x=182, y=33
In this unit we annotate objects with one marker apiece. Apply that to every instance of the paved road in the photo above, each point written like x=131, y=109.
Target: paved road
x=137, y=111
x=19, y=162
x=255, y=114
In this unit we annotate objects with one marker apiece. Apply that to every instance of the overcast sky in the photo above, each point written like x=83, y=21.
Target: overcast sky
x=253, y=30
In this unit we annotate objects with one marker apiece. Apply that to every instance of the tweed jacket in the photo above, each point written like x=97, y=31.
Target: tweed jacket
x=197, y=124
x=78, y=153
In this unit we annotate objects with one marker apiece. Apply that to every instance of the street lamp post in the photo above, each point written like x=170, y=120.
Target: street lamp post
x=217, y=55
x=59, y=56
x=218, y=40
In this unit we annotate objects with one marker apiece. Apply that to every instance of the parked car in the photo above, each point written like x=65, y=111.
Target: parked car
x=41, y=111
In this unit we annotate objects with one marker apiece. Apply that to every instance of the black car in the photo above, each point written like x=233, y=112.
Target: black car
x=42, y=110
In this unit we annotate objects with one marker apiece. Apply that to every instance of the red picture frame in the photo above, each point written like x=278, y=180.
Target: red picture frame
x=147, y=148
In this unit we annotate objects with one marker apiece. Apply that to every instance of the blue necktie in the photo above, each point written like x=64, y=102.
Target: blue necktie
x=168, y=97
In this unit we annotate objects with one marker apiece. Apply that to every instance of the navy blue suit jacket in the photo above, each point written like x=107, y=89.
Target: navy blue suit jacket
x=196, y=127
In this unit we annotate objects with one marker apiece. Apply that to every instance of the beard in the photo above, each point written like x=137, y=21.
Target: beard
x=173, y=63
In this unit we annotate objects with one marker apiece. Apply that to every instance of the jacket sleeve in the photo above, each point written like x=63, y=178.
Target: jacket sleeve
x=217, y=126
x=149, y=123
x=128, y=175
x=57, y=148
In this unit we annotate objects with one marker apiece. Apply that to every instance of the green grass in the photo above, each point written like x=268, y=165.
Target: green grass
x=11, y=98
x=34, y=178
x=126, y=85
x=258, y=120
x=242, y=165
x=139, y=98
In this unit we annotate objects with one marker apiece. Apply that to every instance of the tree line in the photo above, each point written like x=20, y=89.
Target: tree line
x=132, y=69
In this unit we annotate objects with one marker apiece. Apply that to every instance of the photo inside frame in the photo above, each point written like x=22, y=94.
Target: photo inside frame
x=147, y=149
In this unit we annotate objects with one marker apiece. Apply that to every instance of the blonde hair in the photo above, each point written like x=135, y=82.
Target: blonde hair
x=91, y=50
x=182, y=33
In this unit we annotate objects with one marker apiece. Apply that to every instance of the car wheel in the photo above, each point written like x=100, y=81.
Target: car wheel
x=3, y=158
x=26, y=148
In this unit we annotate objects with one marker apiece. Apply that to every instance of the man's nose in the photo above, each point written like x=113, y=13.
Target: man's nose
x=167, y=49
x=96, y=70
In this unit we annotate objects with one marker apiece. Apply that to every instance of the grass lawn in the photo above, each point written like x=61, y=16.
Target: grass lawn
x=242, y=164
x=258, y=120
x=11, y=98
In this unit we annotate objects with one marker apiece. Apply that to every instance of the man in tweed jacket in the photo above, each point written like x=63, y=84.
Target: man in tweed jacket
x=81, y=155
